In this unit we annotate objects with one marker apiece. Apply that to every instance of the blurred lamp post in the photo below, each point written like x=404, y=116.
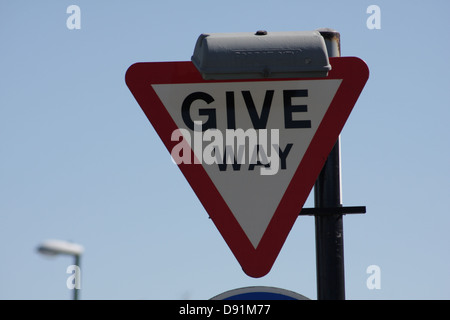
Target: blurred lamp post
x=57, y=247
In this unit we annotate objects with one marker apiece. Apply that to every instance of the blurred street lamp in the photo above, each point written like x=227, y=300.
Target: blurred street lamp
x=57, y=247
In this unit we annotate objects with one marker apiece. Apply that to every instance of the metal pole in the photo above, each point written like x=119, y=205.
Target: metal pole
x=75, y=290
x=329, y=228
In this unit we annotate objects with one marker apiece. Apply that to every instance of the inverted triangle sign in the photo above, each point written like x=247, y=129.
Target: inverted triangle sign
x=250, y=149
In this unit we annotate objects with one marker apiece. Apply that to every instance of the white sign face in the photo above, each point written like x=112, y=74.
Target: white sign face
x=250, y=137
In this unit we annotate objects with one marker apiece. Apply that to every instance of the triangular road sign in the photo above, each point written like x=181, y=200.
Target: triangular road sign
x=253, y=194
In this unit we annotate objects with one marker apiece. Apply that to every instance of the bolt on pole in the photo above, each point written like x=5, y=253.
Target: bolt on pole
x=329, y=228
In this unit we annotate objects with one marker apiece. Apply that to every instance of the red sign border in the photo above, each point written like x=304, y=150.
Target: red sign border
x=255, y=262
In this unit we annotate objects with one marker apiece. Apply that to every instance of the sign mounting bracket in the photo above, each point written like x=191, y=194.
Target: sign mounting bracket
x=331, y=211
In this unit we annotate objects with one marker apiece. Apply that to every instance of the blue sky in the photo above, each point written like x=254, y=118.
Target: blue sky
x=80, y=161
